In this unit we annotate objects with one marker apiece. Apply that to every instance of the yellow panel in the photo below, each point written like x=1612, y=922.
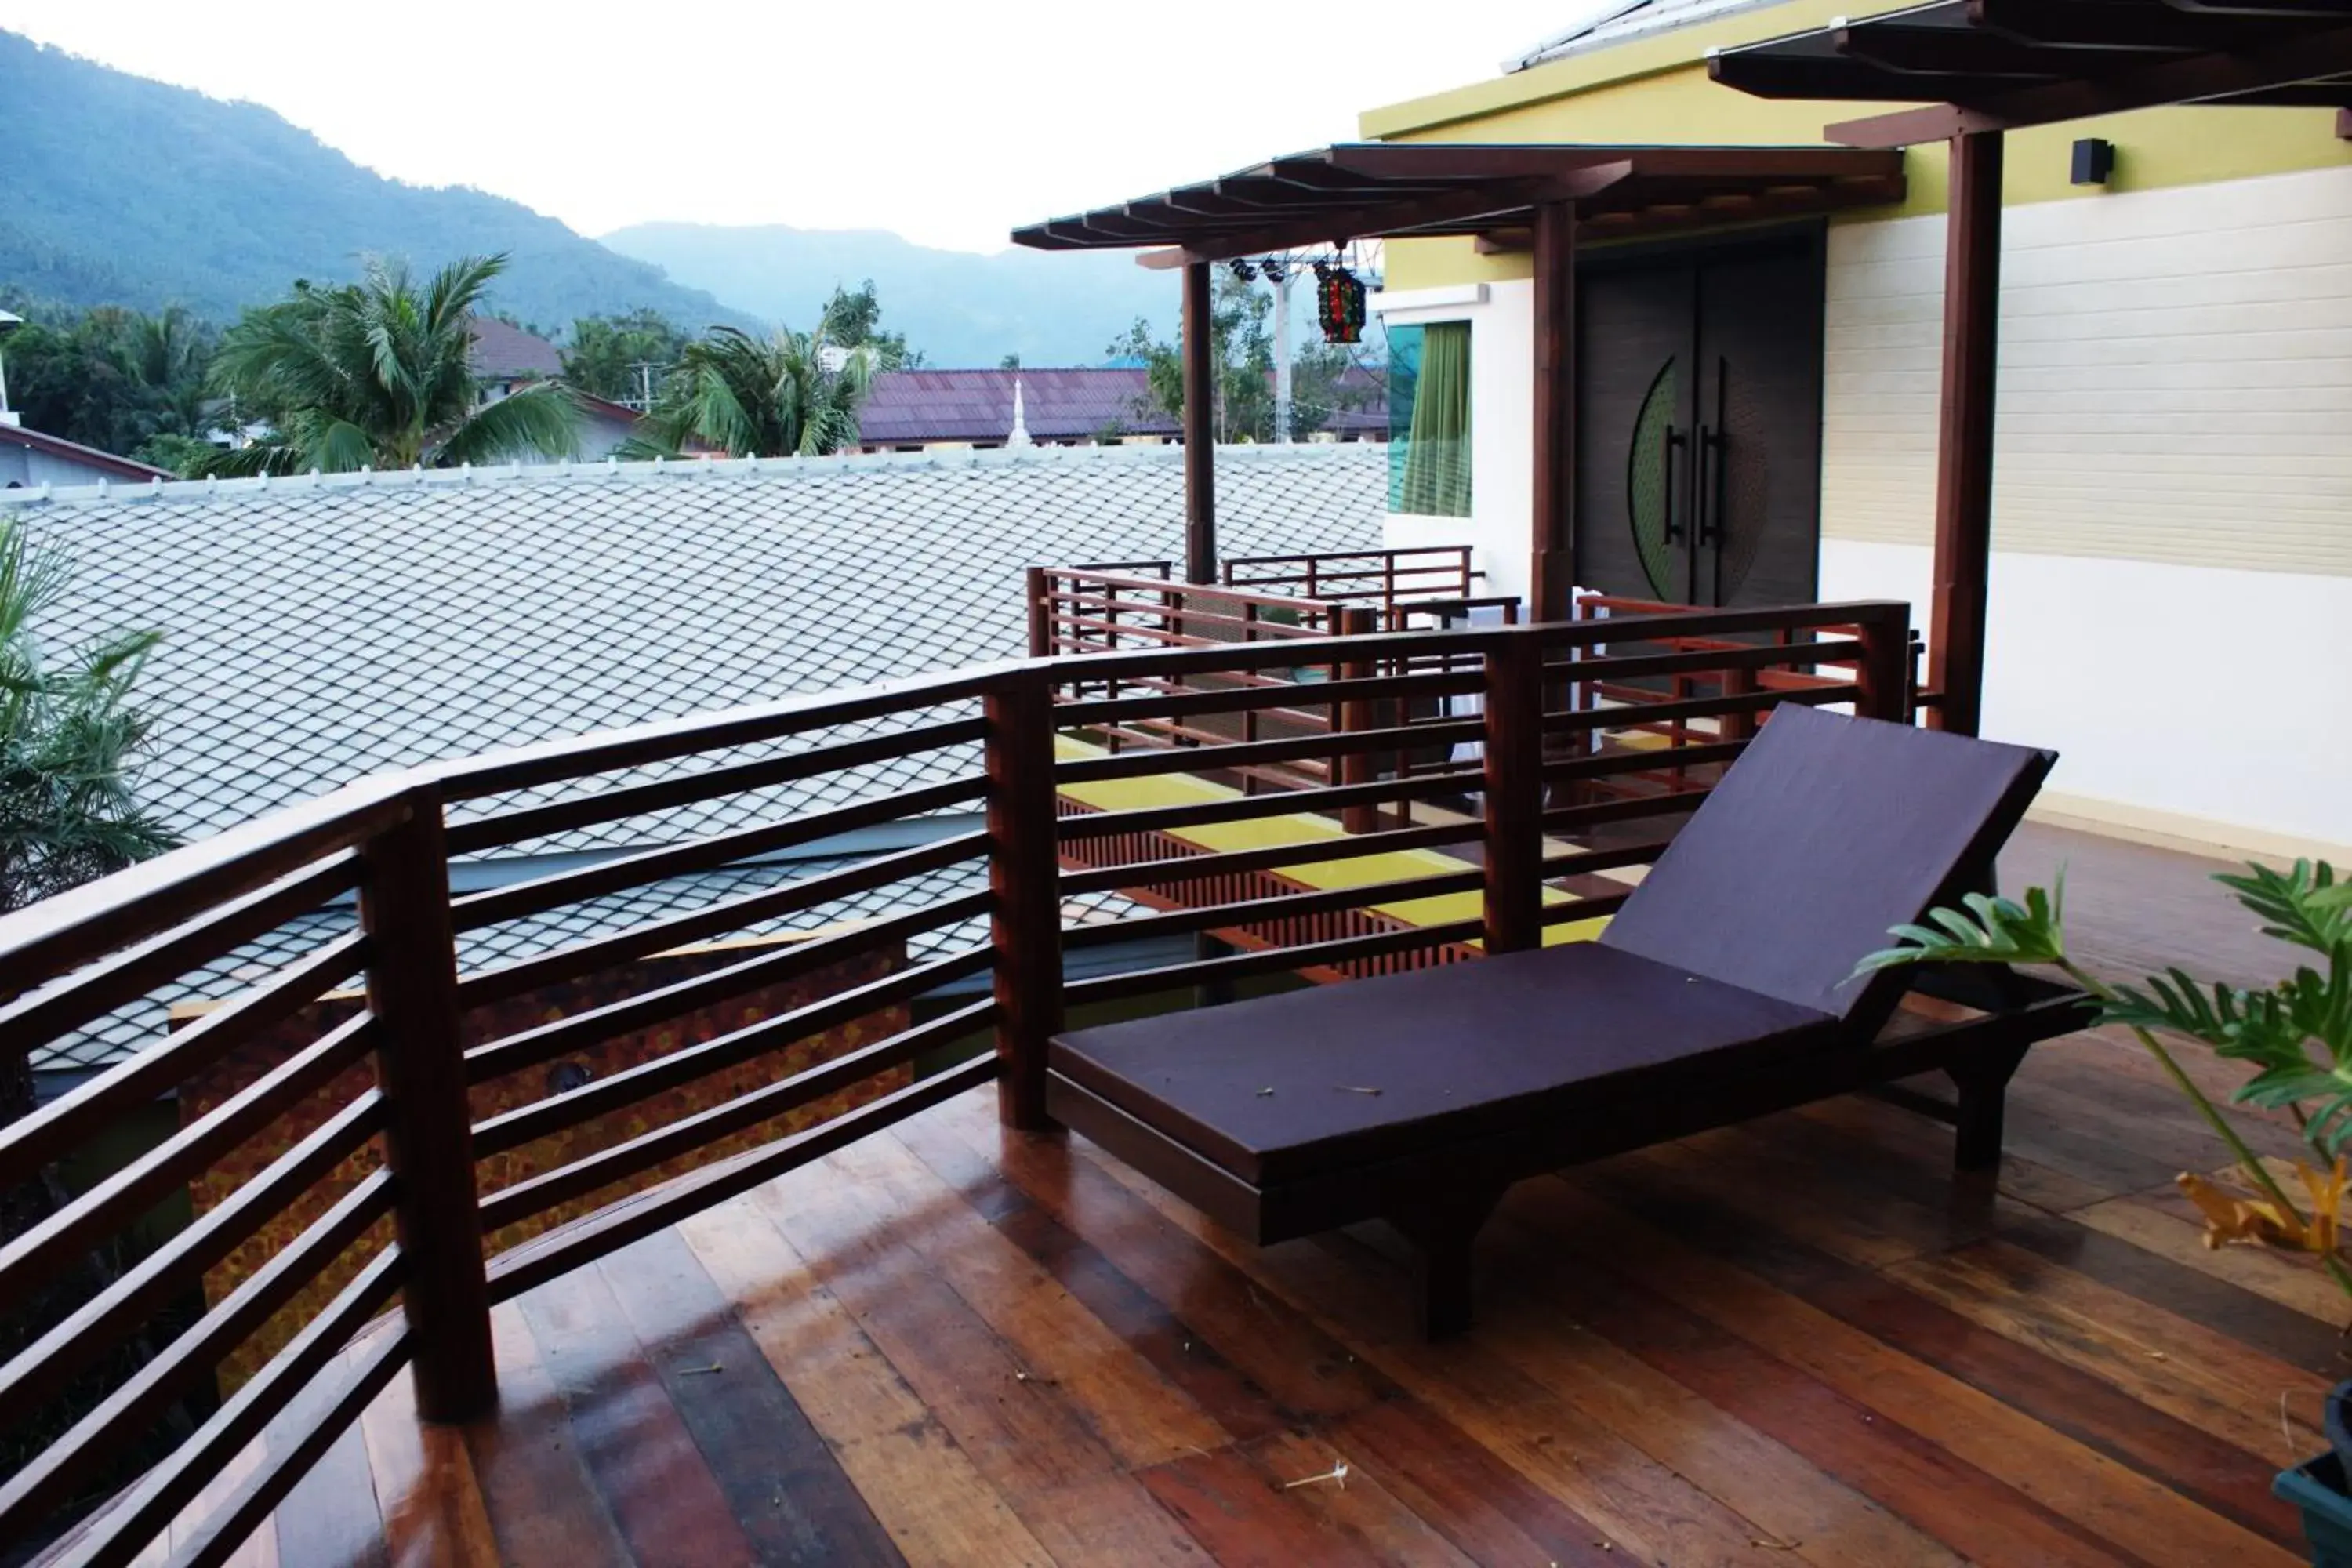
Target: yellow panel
x=1158, y=790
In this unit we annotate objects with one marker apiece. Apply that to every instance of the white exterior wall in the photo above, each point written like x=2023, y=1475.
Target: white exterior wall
x=1502, y=416
x=2171, y=591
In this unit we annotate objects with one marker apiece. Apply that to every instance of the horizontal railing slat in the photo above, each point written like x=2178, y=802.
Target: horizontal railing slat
x=70, y=929
x=1272, y=961
x=527, y=974
x=1321, y=802
x=538, y=1193
x=123, y=1416
x=543, y=1043
x=1300, y=694
x=33, y=1257
x=1305, y=748
x=52, y=1132
x=687, y=1063
x=609, y=751
x=1633, y=714
x=1257, y=912
x=617, y=1224
x=636, y=800
x=715, y=850
x=44, y=1367
x=40, y=1017
x=126, y=1530
x=1192, y=868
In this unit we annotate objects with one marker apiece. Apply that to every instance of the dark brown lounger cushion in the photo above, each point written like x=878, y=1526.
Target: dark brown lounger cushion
x=1454, y=1051
x=1826, y=832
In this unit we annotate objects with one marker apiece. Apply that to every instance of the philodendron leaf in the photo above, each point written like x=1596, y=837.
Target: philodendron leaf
x=1984, y=930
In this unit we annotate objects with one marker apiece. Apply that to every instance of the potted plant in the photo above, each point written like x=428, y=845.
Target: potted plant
x=2297, y=1036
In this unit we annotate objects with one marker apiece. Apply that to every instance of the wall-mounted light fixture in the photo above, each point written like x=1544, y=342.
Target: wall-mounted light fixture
x=2095, y=160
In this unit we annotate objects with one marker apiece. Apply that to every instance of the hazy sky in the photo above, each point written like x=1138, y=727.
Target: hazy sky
x=948, y=122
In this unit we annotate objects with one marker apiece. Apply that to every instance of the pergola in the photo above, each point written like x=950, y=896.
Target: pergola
x=1983, y=66
x=1549, y=197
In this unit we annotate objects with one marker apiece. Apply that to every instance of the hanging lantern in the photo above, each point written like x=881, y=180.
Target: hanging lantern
x=1339, y=303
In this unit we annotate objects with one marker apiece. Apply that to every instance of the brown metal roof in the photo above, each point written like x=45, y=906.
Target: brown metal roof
x=1990, y=65
x=1385, y=189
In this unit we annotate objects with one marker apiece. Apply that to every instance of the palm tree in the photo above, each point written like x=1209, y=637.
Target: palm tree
x=789, y=395
x=69, y=745
x=377, y=373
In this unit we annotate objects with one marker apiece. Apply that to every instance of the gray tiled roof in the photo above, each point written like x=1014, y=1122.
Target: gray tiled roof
x=318, y=630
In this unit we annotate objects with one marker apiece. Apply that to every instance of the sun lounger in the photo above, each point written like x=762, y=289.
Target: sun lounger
x=1722, y=990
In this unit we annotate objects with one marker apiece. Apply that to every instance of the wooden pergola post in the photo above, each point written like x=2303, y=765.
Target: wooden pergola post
x=1955, y=636
x=1200, y=430
x=1551, y=581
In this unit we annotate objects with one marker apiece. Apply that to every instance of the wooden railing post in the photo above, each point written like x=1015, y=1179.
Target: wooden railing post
x=412, y=990
x=1024, y=883
x=1514, y=791
x=1041, y=614
x=1356, y=767
x=1883, y=671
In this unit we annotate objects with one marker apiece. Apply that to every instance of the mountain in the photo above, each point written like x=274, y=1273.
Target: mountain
x=960, y=309
x=116, y=189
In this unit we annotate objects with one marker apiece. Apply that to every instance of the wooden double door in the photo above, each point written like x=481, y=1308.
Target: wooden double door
x=1699, y=424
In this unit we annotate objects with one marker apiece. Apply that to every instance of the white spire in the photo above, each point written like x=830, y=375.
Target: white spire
x=1019, y=436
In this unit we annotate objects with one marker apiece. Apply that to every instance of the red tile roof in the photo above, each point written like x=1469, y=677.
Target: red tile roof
x=503, y=353
x=908, y=408
x=57, y=446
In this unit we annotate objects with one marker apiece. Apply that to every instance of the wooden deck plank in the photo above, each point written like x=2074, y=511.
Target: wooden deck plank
x=781, y=1483
x=330, y=1517
x=2073, y=1481
x=432, y=1510
x=1026, y=1433
x=542, y=1504
x=919, y=1482
x=644, y=1460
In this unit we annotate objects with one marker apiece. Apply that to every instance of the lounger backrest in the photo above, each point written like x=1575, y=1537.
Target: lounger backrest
x=1824, y=833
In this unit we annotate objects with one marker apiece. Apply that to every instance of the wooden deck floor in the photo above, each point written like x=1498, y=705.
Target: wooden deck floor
x=1800, y=1340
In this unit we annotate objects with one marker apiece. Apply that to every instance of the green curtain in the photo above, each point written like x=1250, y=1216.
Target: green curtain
x=1437, y=444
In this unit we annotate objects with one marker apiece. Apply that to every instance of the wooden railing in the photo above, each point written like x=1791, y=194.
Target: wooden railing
x=401, y=1072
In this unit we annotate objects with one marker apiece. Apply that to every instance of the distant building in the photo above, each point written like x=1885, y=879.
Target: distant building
x=29, y=460
x=506, y=359
x=909, y=410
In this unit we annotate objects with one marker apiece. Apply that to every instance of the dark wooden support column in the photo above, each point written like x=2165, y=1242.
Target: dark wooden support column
x=1514, y=793
x=1200, y=430
x=412, y=990
x=1956, y=638
x=1552, y=572
x=1024, y=874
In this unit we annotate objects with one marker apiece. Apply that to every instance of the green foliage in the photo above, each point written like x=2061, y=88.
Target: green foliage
x=2295, y=1034
x=759, y=397
x=1241, y=354
x=111, y=378
x=378, y=374
x=624, y=358
x=852, y=320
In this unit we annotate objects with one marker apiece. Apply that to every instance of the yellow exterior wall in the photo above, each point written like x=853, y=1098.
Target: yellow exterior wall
x=1657, y=90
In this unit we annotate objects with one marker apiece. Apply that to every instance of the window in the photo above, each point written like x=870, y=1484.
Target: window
x=1429, y=419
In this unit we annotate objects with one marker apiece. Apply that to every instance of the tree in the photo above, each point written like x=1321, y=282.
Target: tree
x=1240, y=355
x=70, y=746
x=377, y=373
x=790, y=395
x=111, y=378
x=852, y=320
x=623, y=359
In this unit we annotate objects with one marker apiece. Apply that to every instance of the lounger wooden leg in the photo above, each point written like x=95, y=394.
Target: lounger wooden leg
x=1443, y=1233
x=1983, y=1086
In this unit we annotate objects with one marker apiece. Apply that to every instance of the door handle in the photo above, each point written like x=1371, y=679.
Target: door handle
x=1711, y=500
x=1674, y=442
